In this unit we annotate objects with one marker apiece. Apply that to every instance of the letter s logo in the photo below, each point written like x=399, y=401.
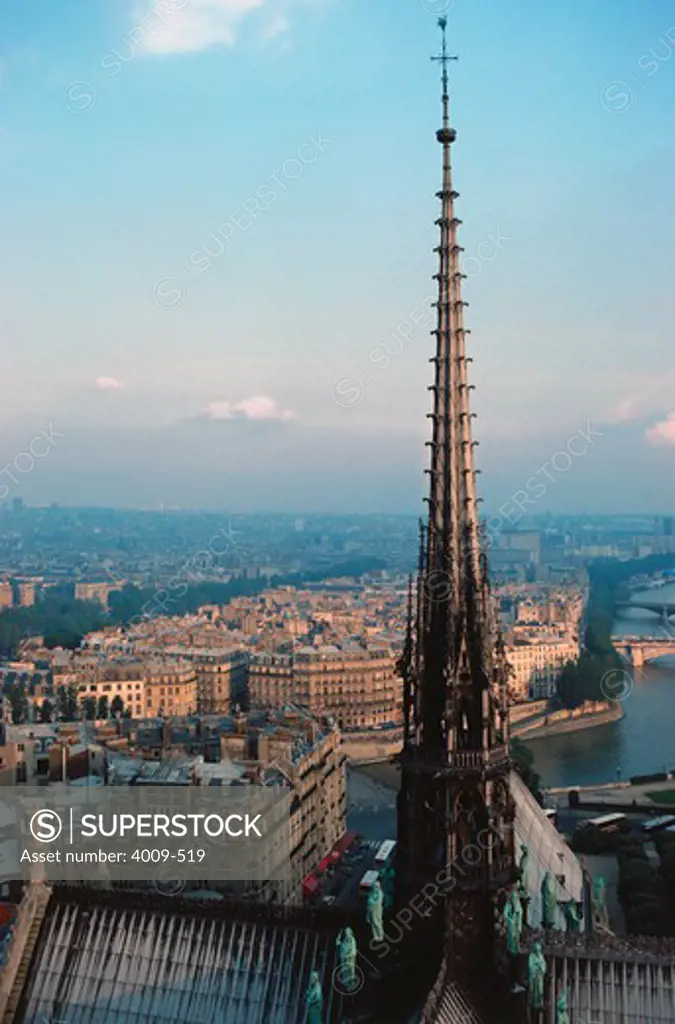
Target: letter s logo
x=46, y=826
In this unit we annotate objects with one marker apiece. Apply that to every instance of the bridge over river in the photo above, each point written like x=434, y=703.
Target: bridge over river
x=663, y=608
x=642, y=650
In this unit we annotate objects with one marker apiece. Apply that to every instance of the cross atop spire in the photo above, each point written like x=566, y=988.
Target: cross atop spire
x=444, y=57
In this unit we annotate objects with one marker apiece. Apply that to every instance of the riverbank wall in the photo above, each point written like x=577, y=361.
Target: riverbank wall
x=371, y=746
x=527, y=723
x=588, y=716
x=530, y=709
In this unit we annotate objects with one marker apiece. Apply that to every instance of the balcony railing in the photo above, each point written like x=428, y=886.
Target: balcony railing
x=458, y=760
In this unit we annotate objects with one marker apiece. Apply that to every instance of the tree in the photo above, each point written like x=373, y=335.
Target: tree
x=102, y=707
x=16, y=696
x=46, y=711
x=58, y=617
x=10, y=638
x=581, y=681
x=72, y=706
x=569, y=685
x=66, y=703
x=65, y=638
x=126, y=604
x=117, y=706
x=89, y=708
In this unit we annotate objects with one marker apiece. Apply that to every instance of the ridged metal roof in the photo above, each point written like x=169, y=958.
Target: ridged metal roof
x=454, y=1008
x=99, y=965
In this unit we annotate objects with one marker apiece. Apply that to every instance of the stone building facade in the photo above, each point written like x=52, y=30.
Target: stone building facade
x=305, y=756
x=147, y=689
x=537, y=665
x=355, y=683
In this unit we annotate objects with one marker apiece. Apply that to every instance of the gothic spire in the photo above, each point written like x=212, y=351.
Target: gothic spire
x=455, y=762
x=453, y=517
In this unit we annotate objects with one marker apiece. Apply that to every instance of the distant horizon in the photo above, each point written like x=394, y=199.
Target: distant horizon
x=304, y=513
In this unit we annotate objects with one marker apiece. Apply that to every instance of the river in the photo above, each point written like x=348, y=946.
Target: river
x=643, y=741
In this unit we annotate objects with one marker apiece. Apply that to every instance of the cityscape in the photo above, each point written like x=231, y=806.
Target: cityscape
x=310, y=712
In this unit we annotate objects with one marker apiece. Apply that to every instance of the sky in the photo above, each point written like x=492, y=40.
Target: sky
x=216, y=250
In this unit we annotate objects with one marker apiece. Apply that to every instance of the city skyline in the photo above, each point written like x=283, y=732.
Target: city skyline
x=195, y=351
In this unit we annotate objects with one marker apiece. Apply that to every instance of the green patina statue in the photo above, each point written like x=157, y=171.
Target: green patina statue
x=347, y=950
x=522, y=868
x=574, y=915
x=600, y=901
x=374, y=911
x=548, y=901
x=536, y=971
x=513, y=916
x=562, y=1015
x=314, y=1000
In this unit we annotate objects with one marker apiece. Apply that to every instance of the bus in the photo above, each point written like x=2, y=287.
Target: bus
x=607, y=822
x=654, y=824
x=368, y=880
x=385, y=852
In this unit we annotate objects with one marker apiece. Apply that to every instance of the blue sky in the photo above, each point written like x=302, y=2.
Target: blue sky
x=199, y=345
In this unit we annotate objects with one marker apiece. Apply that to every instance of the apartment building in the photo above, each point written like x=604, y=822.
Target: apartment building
x=222, y=675
x=355, y=683
x=305, y=756
x=537, y=663
x=170, y=690
x=124, y=679
x=98, y=591
x=26, y=594
x=147, y=689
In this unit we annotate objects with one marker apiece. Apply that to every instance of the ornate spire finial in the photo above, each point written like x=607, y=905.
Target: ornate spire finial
x=444, y=56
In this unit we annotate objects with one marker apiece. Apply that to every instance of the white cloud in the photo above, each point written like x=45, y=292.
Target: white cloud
x=184, y=26
x=650, y=394
x=277, y=25
x=662, y=434
x=219, y=411
x=107, y=384
x=258, y=407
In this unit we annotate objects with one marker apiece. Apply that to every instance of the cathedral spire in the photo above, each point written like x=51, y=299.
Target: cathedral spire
x=456, y=635
x=453, y=517
x=455, y=764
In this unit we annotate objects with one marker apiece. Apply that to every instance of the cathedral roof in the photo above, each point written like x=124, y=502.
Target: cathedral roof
x=101, y=964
